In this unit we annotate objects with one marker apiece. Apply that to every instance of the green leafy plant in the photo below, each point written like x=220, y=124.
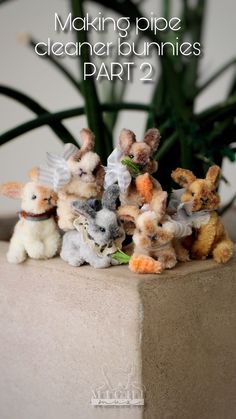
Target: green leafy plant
x=189, y=139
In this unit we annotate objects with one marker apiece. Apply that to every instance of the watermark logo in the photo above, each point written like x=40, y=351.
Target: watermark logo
x=119, y=388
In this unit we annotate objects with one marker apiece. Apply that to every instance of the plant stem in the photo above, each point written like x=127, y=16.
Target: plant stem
x=48, y=118
x=219, y=111
x=196, y=21
x=59, y=129
x=92, y=105
x=217, y=74
x=166, y=146
x=166, y=8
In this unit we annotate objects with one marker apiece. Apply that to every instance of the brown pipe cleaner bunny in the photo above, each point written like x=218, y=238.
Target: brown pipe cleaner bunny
x=210, y=238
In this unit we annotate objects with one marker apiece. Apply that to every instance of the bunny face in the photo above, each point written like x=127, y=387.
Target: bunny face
x=141, y=152
x=103, y=225
x=83, y=162
x=148, y=235
x=85, y=166
x=202, y=196
x=200, y=192
x=36, y=198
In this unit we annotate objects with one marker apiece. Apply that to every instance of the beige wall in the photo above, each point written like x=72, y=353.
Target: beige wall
x=22, y=69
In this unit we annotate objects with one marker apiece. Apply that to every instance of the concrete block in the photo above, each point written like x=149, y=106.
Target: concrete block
x=67, y=334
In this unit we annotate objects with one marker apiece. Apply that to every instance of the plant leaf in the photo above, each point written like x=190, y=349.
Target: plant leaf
x=215, y=76
x=103, y=143
x=49, y=118
x=60, y=130
x=121, y=257
x=133, y=167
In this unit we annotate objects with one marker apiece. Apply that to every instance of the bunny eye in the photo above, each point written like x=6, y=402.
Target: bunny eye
x=131, y=156
x=193, y=193
x=34, y=197
x=102, y=229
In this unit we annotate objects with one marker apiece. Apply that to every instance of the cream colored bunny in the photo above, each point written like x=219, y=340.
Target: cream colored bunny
x=36, y=233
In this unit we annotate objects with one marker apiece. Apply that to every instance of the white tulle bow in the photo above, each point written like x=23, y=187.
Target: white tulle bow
x=56, y=172
x=117, y=172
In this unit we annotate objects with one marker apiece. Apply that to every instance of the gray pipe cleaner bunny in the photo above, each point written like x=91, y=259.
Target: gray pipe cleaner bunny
x=98, y=234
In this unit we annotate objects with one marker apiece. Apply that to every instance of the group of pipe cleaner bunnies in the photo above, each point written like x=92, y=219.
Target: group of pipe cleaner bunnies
x=116, y=214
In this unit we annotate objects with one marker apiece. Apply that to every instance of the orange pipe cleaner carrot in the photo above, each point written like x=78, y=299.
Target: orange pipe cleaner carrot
x=145, y=265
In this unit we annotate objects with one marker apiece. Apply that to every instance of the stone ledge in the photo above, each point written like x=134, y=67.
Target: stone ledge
x=60, y=325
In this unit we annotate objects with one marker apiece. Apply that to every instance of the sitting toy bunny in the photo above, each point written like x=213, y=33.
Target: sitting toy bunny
x=97, y=236
x=153, y=249
x=78, y=174
x=36, y=233
x=209, y=237
x=153, y=236
x=150, y=198
x=139, y=154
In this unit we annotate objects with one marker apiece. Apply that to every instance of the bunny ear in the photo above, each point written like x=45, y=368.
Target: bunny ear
x=158, y=204
x=95, y=204
x=83, y=208
x=99, y=173
x=152, y=138
x=34, y=174
x=183, y=177
x=12, y=189
x=126, y=139
x=110, y=196
x=88, y=140
x=128, y=214
x=213, y=175
x=69, y=150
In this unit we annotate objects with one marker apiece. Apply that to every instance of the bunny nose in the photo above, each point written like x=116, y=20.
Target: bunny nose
x=48, y=199
x=82, y=172
x=115, y=233
x=153, y=237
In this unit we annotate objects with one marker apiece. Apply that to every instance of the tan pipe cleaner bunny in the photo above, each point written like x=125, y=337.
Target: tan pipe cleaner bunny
x=149, y=198
x=140, y=155
x=77, y=175
x=210, y=238
x=153, y=249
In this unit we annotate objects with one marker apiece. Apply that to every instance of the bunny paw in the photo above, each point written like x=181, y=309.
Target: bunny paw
x=51, y=246
x=16, y=257
x=75, y=262
x=36, y=250
x=168, y=261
